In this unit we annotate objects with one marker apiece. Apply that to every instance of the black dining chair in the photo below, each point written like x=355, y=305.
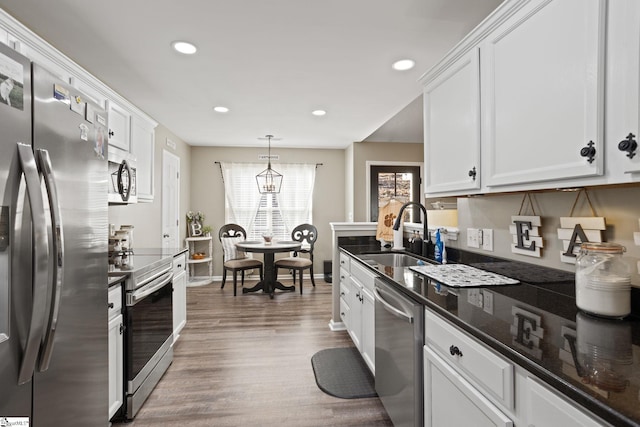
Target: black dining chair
x=306, y=234
x=233, y=259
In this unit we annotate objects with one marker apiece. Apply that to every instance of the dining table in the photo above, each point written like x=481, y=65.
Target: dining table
x=270, y=282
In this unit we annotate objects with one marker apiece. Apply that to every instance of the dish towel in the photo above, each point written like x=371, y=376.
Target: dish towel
x=386, y=217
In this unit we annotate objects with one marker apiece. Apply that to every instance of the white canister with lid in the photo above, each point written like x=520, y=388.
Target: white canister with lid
x=603, y=281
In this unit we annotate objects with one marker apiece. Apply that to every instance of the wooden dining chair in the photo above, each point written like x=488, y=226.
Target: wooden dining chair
x=306, y=234
x=233, y=259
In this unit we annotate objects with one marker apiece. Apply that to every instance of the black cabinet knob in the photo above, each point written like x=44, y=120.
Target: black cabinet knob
x=111, y=305
x=110, y=133
x=589, y=151
x=473, y=173
x=629, y=145
x=455, y=351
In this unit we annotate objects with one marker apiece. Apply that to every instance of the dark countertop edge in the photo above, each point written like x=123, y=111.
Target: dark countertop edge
x=578, y=396
x=114, y=280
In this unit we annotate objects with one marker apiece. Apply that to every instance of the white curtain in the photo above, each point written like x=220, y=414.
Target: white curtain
x=241, y=192
x=296, y=196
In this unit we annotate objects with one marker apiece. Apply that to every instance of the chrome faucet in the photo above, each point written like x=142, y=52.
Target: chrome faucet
x=426, y=242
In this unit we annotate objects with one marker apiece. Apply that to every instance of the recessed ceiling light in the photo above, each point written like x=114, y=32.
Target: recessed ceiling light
x=220, y=109
x=184, y=47
x=318, y=112
x=403, y=64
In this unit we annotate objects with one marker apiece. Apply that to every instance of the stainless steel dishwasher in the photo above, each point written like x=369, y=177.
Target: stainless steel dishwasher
x=399, y=340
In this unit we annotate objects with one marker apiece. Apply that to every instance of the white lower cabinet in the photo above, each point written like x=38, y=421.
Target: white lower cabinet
x=450, y=400
x=368, y=330
x=116, y=350
x=357, y=306
x=179, y=294
x=546, y=408
x=467, y=383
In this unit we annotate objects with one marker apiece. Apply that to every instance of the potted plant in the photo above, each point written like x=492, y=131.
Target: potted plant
x=206, y=230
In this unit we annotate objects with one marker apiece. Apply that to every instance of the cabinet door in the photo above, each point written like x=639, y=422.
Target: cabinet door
x=179, y=304
x=88, y=90
x=543, y=93
x=547, y=409
x=623, y=90
x=143, y=147
x=452, y=127
x=119, y=126
x=369, y=330
x=355, y=313
x=116, y=364
x=449, y=400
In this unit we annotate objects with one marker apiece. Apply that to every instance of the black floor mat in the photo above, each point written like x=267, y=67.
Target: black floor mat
x=341, y=372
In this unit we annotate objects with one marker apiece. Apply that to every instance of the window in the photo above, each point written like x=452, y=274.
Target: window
x=257, y=213
x=395, y=182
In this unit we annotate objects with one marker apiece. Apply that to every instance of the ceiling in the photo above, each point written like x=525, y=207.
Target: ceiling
x=271, y=62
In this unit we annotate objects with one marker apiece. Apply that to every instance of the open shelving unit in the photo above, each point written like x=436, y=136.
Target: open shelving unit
x=200, y=244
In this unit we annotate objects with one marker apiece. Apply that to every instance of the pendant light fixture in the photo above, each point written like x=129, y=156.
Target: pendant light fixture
x=269, y=181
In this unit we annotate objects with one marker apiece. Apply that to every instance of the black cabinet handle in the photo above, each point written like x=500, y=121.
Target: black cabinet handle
x=589, y=151
x=473, y=173
x=629, y=145
x=111, y=305
x=455, y=351
x=110, y=133
x=121, y=328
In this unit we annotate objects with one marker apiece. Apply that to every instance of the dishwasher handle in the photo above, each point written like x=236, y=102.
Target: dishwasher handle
x=408, y=317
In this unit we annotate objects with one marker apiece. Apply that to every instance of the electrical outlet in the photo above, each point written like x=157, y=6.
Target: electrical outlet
x=487, y=239
x=472, y=238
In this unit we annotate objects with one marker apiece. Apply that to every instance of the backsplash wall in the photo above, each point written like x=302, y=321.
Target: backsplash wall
x=619, y=206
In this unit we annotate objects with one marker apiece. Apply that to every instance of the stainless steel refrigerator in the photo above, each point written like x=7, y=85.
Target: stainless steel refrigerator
x=53, y=250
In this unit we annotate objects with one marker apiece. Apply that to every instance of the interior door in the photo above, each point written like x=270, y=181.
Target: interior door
x=170, y=200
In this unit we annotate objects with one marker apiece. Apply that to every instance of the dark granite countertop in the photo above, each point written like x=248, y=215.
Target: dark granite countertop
x=571, y=341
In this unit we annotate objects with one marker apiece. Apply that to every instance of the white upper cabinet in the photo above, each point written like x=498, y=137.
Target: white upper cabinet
x=143, y=148
x=452, y=126
x=558, y=88
x=119, y=126
x=542, y=93
x=89, y=91
x=623, y=88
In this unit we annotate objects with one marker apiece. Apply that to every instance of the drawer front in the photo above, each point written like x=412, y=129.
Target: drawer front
x=364, y=276
x=344, y=276
x=344, y=312
x=179, y=264
x=115, y=301
x=477, y=363
x=345, y=261
x=344, y=289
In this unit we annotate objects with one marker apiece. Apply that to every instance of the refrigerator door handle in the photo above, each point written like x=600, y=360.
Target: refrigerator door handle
x=56, y=281
x=40, y=262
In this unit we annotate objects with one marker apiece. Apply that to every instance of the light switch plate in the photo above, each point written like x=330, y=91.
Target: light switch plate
x=487, y=239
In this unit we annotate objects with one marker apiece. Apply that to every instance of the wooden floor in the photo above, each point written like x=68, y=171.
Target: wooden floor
x=246, y=361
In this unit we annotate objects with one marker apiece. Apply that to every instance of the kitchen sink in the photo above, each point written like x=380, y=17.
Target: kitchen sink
x=391, y=259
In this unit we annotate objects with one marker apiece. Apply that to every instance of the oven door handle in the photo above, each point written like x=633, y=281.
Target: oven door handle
x=391, y=309
x=152, y=287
